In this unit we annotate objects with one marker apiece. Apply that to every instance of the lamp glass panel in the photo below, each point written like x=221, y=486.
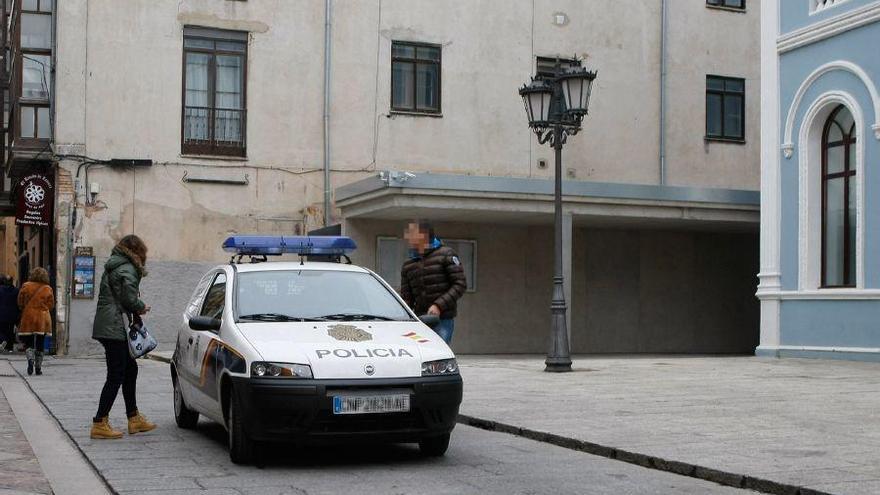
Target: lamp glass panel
x=540, y=106
x=572, y=89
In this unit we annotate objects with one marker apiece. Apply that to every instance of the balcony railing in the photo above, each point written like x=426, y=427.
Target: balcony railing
x=820, y=5
x=214, y=131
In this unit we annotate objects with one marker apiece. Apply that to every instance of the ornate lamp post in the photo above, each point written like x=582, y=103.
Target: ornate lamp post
x=555, y=107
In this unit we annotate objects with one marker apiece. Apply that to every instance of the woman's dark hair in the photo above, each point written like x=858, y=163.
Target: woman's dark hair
x=39, y=275
x=134, y=245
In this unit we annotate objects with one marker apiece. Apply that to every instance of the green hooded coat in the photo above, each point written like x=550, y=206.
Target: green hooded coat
x=119, y=294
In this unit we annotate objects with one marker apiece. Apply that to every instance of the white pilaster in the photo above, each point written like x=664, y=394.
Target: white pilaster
x=770, y=276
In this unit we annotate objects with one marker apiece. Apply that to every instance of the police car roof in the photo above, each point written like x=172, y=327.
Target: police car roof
x=296, y=265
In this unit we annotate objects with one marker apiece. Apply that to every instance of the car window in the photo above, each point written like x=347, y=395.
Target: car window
x=216, y=298
x=316, y=294
x=192, y=309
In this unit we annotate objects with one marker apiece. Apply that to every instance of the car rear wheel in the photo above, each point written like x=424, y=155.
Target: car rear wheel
x=434, y=446
x=185, y=417
x=241, y=447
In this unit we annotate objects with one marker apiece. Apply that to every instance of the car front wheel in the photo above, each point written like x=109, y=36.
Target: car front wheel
x=185, y=417
x=434, y=446
x=241, y=447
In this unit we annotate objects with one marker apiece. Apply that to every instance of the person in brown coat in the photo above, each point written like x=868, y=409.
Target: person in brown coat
x=432, y=280
x=35, y=299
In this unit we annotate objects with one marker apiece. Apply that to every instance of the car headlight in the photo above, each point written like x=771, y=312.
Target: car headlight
x=280, y=370
x=441, y=367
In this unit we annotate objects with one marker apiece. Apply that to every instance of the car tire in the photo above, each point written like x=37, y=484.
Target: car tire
x=185, y=417
x=434, y=446
x=241, y=447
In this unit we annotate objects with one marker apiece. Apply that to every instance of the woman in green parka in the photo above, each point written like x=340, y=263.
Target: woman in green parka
x=119, y=296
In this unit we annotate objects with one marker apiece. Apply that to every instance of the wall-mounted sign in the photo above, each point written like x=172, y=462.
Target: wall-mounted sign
x=34, y=201
x=83, y=273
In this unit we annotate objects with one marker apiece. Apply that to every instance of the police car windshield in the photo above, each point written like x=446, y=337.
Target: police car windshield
x=303, y=295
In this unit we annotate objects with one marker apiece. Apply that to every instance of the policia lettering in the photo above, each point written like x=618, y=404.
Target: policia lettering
x=365, y=353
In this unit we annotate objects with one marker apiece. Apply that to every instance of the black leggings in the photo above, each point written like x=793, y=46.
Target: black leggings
x=36, y=341
x=7, y=333
x=122, y=370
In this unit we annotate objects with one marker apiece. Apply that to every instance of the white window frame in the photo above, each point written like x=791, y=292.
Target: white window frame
x=810, y=191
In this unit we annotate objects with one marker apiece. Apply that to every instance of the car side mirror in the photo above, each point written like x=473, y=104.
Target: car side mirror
x=431, y=320
x=204, y=323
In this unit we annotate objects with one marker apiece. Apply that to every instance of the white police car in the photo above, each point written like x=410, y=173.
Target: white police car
x=307, y=351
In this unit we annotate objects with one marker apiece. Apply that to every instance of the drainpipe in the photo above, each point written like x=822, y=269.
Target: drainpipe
x=663, y=30
x=327, y=11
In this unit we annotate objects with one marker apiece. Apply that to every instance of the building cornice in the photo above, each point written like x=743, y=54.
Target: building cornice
x=829, y=27
x=486, y=185
x=850, y=294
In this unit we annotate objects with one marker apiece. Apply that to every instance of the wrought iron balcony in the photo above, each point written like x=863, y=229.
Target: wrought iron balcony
x=214, y=131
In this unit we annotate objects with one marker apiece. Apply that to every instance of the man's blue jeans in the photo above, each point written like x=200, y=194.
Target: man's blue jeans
x=445, y=329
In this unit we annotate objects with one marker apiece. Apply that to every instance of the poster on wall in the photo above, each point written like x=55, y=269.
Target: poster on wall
x=34, y=200
x=83, y=273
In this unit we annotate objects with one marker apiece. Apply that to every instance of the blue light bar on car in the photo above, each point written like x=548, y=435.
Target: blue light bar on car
x=275, y=245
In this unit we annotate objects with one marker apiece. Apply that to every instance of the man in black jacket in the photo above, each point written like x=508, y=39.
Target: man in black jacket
x=432, y=280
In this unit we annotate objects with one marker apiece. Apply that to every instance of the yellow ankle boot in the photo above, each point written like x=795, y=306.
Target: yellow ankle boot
x=102, y=430
x=139, y=424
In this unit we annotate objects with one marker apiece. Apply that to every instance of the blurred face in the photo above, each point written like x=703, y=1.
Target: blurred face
x=417, y=238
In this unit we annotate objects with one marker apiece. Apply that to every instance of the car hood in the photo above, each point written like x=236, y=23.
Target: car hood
x=348, y=349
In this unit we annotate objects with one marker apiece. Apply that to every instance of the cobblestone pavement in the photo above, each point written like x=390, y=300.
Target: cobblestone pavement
x=804, y=422
x=171, y=460
x=20, y=471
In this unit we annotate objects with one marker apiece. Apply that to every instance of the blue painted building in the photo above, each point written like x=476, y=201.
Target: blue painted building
x=820, y=179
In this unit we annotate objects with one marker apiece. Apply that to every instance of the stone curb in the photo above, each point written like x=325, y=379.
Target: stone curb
x=644, y=460
x=161, y=359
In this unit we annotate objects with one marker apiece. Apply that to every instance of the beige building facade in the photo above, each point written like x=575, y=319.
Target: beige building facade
x=188, y=121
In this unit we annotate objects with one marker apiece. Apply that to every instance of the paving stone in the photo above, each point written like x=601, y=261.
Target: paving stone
x=175, y=461
x=20, y=472
x=799, y=421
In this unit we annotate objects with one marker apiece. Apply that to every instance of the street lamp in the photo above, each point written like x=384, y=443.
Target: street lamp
x=555, y=107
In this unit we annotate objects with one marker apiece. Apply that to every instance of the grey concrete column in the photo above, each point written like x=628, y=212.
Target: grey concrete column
x=567, y=241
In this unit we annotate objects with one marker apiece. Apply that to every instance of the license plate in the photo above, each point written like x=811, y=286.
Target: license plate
x=370, y=404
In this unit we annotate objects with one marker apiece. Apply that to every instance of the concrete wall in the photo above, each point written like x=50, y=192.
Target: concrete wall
x=632, y=291
x=167, y=289
x=118, y=80
x=729, y=45
x=658, y=291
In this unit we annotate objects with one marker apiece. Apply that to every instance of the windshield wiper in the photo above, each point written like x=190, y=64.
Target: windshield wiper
x=355, y=316
x=274, y=317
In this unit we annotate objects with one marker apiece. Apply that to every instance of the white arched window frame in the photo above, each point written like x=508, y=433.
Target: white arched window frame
x=810, y=189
